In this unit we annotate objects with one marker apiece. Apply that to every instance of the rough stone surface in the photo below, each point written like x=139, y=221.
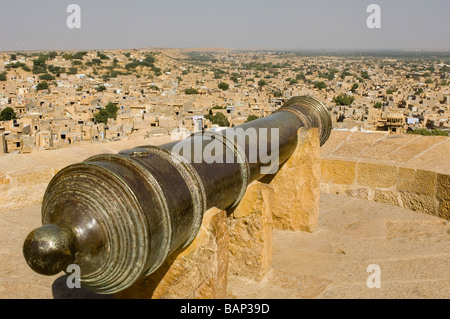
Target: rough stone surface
x=250, y=232
x=423, y=182
x=444, y=209
x=443, y=187
x=338, y=172
x=387, y=197
x=419, y=202
x=198, y=272
x=408, y=171
x=376, y=175
x=411, y=248
x=297, y=186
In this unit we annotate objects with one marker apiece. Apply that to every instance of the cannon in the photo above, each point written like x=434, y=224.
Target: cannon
x=119, y=216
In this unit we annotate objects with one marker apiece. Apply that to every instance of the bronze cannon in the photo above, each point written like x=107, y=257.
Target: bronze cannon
x=119, y=216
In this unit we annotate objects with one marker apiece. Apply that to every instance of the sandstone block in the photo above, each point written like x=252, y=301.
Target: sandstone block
x=198, y=272
x=376, y=175
x=297, y=186
x=386, y=197
x=420, y=202
x=358, y=192
x=423, y=182
x=443, y=187
x=444, y=209
x=406, y=173
x=250, y=233
x=338, y=172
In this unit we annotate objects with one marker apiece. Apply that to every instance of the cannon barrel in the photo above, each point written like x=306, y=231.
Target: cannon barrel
x=119, y=216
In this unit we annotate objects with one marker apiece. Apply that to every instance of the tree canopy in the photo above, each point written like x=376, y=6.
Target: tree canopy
x=109, y=112
x=42, y=86
x=224, y=86
x=320, y=85
x=343, y=99
x=218, y=119
x=7, y=114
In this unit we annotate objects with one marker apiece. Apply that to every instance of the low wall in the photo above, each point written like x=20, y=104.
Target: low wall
x=410, y=171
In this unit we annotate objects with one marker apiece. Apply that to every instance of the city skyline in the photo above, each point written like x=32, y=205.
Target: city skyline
x=247, y=24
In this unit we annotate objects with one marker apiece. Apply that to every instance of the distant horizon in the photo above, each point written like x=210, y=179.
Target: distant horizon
x=284, y=25
x=355, y=51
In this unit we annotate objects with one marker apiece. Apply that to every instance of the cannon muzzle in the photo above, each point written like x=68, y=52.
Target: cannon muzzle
x=119, y=216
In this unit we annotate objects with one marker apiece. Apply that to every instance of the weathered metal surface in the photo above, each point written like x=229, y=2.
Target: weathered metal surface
x=120, y=216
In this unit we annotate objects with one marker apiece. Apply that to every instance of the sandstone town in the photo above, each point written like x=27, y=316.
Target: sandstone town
x=52, y=100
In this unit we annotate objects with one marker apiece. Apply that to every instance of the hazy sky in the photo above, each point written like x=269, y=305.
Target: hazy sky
x=234, y=24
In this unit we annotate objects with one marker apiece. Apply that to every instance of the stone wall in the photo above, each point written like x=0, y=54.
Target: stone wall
x=404, y=170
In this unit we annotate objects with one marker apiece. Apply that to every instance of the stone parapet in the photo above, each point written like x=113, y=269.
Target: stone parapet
x=408, y=171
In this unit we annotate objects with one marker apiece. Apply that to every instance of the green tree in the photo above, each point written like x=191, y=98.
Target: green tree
x=365, y=75
x=277, y=93
x=3, y=76
x=378, y=105
x=343, y=99
x=345, y=74
x=219, y=119
x=101, y=116
x=355, y=87
x=251, y=118
x=223, y=86
x=190, y=91
x=112, y=109
x=419, y=91
x=42, y=86
x=13, y=57
x=102, y=56
x=424, y=131
x=7, y=114
x=390, y=91
x=72, y=71
x=262, y=83
x=320, y=85
x=100, y=88
x=109, y=112
x=301, y=76
x=79, y=55
x=52, y=55
x=47, y=77
x=39, y=65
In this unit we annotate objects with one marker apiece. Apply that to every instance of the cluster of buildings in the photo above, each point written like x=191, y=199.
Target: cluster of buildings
x=173, y=95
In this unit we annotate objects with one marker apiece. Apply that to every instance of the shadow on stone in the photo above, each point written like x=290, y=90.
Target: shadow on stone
x=61, y=291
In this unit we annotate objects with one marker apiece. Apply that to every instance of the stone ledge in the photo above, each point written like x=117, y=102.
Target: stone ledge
x=415, y=189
